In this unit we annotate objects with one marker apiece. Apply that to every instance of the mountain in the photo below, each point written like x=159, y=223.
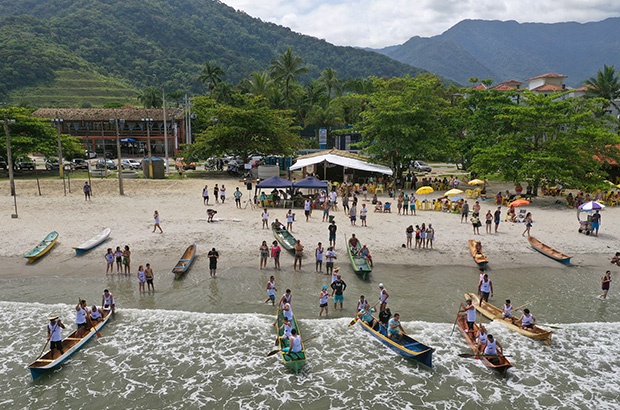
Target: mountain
x=505, y=50
x=136, y=43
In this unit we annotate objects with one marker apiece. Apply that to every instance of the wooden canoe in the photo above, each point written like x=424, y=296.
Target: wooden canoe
x=293, y=361
x=360, y=265
x=185, y=262
x=548, y=251
x=285, y=238
x=479, y=258
x=93, y=242
x=43, y=247
x=501, y=366
x=408, y=347
x=494, y=313
x=70, y=344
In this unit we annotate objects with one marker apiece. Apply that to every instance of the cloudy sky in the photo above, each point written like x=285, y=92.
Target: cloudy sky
x=379, y=23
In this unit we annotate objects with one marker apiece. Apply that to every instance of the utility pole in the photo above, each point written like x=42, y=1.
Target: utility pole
x=148, y=122
x=118, y=154
x=163, y=97
x=58, y=122
x=9, y=159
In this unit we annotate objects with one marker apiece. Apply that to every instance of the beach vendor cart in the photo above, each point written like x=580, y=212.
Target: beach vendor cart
x=584, y=216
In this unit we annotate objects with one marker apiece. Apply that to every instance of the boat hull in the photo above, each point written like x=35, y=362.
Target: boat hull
x=480, y=259
x=93, y=242
x=285, y=238
x=361, y=266
x=72, y=344
x=548, y=251
x=409, y=349
x=501, y=366
x=185, y=262
x=494, y=313
x=43, y=247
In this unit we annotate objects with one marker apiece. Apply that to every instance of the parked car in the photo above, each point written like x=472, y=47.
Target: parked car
x=51, y=164
x=180, y=163
x=25, y=163
x=105, y=163
x=131, y=164
x=421, y=166
x=90, y=154
x=3, y=163
x=79, y=163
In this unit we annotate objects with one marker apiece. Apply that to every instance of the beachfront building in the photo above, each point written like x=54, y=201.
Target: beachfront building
x=97, y=129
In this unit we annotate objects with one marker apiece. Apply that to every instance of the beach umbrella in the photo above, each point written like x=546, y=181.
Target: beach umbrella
x=476, y=182
x=456, y=198
x=591, y=206
x=453, y=191
x=424, y=190
x=519, y=202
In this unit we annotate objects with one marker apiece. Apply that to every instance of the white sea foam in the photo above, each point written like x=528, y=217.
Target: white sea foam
x=175, y=359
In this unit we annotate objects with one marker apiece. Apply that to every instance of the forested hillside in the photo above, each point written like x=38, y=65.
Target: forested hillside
x=148, y=42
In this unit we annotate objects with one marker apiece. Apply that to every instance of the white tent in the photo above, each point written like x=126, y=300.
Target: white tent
x=342, y=161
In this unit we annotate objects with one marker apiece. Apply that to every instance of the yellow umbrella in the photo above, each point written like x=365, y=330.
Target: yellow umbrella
x=423, y=190
x=453, y=192
x=476, y=182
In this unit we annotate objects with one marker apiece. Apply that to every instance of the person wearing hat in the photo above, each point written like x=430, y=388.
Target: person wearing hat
x=323, y=299
x=338, y=288
x=299, y=252
x=335, y=274
x=383, y=297
x=54, y=334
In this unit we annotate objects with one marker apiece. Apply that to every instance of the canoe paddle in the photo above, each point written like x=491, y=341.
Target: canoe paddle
x=455, y=321
x=278, y=350
x=473, y=355
x=42, y=350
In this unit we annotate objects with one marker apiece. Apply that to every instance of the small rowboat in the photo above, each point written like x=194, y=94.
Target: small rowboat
x=293, y=361
x=70, y=344
x=548, y=251
x=43, y=247
x=93, y=242
x=408, y=347
x=495, y=313
x=185, y=262
x=499, y=364
x=360, y=265
x=285, y=238
x=479, y=258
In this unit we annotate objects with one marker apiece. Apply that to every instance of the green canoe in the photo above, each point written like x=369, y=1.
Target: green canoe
x=360, y=265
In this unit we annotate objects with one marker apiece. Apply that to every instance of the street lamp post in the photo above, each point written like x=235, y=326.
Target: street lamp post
x=163, y=97
x=9, y=159
x=148, y=122
x=118, y=154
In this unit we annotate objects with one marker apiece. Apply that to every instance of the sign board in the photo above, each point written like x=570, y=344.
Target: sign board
x=323, y=138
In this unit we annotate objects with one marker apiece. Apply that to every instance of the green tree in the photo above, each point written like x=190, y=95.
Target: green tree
x=329, y=80
x=605, y=85
x=151, y=97
x=259, y=84
x=211, y=75
x=249, y=129
x=552, y=140
x=286, y=70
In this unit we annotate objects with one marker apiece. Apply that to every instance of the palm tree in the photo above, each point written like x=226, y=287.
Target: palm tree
x=605, y=85
x=330, y=81
x=211, y=75
x=151, y=97
x=260, y=84
x=285, y=70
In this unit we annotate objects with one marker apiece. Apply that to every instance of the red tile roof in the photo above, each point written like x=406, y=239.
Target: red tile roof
x=548, y=75
x=547, y=87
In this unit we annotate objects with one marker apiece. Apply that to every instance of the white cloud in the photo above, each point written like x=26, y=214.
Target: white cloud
x=379, y=23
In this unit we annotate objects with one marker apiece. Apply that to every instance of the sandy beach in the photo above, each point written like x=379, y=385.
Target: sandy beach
x=238, y=233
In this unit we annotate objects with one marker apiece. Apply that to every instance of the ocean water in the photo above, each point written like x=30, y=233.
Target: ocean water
x=201, y=343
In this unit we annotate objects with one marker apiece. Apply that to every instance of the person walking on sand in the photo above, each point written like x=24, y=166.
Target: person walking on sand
x=141, y=279
x=465, y=212
x=86, y=191
x=216, y=192
x=323, y=301
x=109, y=258
x=596, y=222
x=157, y=220
x=497, y=216
x=275, y=254
x=127, y=260
x=205, y=195
x=332, y=228
x=290, y=217
x=318, y=254
x=299, y=251
x=353, y=213
x=264, y=254
x=150, y=276
x=363, y=214
x=213, y=256
x=326, y=207
x=271, y=290
x=238, y=194
x=265, y=218
x=430, y=235
x=475, y=222
x=528, y=224
x=307, y=209
x=223, y=193
x=605, y=282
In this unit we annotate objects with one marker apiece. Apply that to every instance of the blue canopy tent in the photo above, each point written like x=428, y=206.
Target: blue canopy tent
x=310, y=183
x=275, y=182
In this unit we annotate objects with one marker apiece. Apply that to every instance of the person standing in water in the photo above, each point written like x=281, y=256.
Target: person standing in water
x=148, y=273
x=213, y=256
x=605, y=282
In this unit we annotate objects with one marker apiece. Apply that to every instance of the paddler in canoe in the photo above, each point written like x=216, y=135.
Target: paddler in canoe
x=493, y=348
x=54, y=335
